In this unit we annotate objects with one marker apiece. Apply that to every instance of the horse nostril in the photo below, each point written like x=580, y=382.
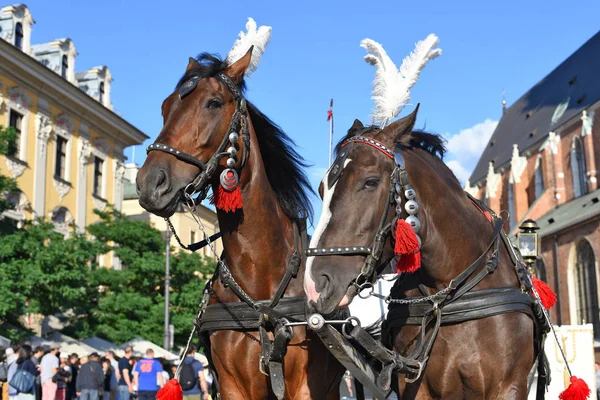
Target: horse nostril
x=162, y=182
x=324, y=284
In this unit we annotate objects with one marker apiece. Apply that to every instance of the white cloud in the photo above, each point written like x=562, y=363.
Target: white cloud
x=470, y=142
x=465, y=148
x=461, y=172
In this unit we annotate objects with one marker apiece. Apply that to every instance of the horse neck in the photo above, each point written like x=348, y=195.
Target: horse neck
x=455, y=231
x=257, y=244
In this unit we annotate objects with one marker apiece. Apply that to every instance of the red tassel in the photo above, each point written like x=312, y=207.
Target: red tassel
x=226, y=200
x=409, y=262
x=171, y=391
x=577, y=390
x=407, y=247
x=547, y=296
x=406, y=238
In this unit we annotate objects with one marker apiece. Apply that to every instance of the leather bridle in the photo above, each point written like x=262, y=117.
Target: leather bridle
x=398, y=187
x=238, y=123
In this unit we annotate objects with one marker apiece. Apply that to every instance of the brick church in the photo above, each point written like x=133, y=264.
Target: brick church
x=542, y=163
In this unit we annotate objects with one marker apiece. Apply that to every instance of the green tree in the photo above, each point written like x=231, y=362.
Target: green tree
x=131, y=302
x=8, y=147
x=43, y=272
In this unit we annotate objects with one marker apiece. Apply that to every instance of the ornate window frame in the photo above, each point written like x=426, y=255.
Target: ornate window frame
x=18, y=213
x=63, y=228
x=578, y=167
x=100, y=149
x=538, y=177
x=20, y=102
x=63, y=127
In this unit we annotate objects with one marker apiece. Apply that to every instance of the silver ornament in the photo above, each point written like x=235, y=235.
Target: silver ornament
x=411, y=207
x=410, y=193
x=232, y=150
x=414, y=222
x=231, y=162
x=233, y=137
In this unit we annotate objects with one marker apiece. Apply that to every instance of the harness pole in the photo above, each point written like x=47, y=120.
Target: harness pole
x=166, y=335
x=330, y=119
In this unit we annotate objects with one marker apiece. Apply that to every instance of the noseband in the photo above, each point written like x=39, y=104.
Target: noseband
x=399, y=186
x=238, y=123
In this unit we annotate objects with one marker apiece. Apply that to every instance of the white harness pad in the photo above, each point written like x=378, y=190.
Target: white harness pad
x=372, y=309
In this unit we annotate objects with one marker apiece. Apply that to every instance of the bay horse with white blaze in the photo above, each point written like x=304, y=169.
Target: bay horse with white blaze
x=202, y=117
x=464, y=319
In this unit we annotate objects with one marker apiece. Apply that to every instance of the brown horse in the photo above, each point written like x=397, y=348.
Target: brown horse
x=489, y=357
x=259, y=239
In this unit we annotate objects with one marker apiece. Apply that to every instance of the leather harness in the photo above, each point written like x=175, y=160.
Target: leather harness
x=455, y=304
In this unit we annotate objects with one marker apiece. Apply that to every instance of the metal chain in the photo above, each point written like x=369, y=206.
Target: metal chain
x=388, y=299
x=418, y=299
x=201, y=309
x=172, y=229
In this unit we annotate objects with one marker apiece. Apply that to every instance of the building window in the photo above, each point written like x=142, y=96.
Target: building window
x=578, y=168
x=61, y=157
x=511, y=206
x=62, y=220
x=19, y=36
x=192, y=237
x=98, y=166
x=16, y=122
x=101, y=93
x=539, y=178
x=586, y=286
x=65, y=66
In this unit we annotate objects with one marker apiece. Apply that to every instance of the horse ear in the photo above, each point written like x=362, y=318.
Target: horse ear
x=397, y=129
x=192, y=64
x=356, y=125
x=236, y=70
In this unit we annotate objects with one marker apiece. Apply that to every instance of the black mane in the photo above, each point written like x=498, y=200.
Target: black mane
x=283, y=164
x=430, y=142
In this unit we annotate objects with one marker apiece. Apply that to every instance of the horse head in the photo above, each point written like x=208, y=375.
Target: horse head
x=193, y=143
x=359, y=205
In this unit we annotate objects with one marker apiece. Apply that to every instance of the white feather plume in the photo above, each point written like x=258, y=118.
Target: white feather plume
x=391, y=88
x=259, y=38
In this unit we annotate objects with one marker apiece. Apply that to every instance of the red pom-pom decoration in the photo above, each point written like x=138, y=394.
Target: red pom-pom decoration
x=407, y=247
x=577, y=390
x=227, y=200
x=171, y=391
x=547, y=296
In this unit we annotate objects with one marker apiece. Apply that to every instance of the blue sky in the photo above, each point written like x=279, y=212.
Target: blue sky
x=314, y=55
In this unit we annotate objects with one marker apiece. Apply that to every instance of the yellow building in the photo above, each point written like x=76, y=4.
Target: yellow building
x=70, y=143
x=184, y=224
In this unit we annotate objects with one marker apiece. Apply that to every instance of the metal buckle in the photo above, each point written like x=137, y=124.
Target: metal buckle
x=417, y=376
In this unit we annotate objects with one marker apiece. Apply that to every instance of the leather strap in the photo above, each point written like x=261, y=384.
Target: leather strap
x=240, y=316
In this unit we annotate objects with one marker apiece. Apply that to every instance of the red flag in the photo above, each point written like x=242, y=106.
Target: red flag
x=329, y=114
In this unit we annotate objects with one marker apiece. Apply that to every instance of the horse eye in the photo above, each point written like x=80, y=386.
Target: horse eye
x=214, y=103
x=371, y=183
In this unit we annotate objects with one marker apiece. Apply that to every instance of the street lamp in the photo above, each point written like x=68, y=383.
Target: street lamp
x=528, y=243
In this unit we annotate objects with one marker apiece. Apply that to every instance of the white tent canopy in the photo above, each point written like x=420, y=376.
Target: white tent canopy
x=141, y=345
x=4, y=342
x=65, y=343
x=104, y=345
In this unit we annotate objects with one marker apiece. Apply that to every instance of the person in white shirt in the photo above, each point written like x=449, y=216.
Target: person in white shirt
x=49, y=366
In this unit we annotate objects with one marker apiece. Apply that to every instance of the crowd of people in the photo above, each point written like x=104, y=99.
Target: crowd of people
x=51, y=374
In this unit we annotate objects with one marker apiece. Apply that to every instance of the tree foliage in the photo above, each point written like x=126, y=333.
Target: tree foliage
x=43, y=272
x=8, y=140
